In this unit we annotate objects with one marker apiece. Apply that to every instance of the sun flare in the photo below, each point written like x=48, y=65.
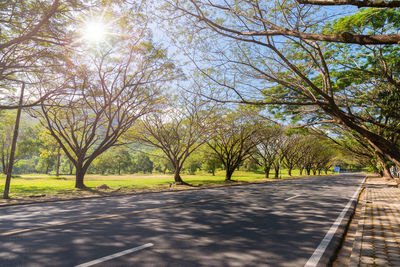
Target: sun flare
x=94, y=32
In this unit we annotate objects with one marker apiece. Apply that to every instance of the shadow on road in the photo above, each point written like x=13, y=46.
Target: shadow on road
x=245, y=226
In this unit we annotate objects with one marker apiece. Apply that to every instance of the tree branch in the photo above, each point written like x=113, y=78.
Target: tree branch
x=35, y=30
x=344, y=37
x=358, y=3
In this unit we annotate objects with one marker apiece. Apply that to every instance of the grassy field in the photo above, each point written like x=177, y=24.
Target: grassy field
x=39, y=185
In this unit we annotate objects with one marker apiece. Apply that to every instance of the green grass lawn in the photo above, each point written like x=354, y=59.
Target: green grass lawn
x=39, y=184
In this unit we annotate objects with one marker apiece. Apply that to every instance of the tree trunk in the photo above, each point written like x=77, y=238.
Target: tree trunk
x=177, y=176
x=13, y=145
x=386, y=171
x=71, y=167
x=47, y=169
x=385, y=167
x=290, y=171
x=3, y=162
x=301, y=171
x=314, y=172
x=58, y=161
x=319, y=172
x=229, y=173
x=266, y=171
x=80, y=174
x=213, y=172
x=379, y=143
x=308, y=170
x=276, y=172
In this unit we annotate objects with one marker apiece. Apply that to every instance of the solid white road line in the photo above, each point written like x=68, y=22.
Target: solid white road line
x=316, y=256
x=289, y=198
x=116, y=255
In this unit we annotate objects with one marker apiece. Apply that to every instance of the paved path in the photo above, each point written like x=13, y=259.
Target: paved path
x=374, y=236
x=272, y=224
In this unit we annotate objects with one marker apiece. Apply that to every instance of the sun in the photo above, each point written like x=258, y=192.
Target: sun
x=94, y=32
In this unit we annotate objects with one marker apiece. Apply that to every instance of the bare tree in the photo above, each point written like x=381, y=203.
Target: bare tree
x=178, y=131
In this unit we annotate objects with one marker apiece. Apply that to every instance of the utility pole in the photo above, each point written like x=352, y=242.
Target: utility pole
x=13, y=144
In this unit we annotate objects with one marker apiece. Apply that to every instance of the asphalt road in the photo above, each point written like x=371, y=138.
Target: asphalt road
x=272, y=224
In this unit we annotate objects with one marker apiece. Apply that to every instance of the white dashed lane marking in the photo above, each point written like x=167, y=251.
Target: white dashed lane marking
x=116, y=255
x=289, y=198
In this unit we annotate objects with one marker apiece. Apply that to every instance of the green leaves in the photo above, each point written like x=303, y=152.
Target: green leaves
x=367, y=21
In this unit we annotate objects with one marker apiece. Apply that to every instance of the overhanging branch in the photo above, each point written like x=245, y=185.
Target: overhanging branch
x=358, y=3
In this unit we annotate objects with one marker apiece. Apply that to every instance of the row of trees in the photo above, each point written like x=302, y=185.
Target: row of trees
x=230, y=138
x=340, y=72
x=191, y=136
x=261, y=53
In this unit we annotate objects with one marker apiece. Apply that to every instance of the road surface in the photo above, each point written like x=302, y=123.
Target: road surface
x=272, y=224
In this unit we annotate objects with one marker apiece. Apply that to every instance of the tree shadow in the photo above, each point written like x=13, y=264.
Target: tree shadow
x=235, y=226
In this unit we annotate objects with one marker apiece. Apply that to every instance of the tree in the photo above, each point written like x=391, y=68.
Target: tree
x=50, y=152
x=104, y=163
x=106, y=91
x=123, y=160
x=357, y=149
x=358, y=3
x=251, y=164
x=10, y=162
x=178, y=131
x=292, y=71
x=144, y=164
x=28, y=30
x=232, y=141
x=322, y=158
x=308, y=154
x=316, y=154
x=293, y=152
x=192, y=164
x=45, y=164
x=115, y=160
x=282, y=146
x=163, y=164
x=27, y=141
x=30, y=40
x=279, y=19
x=211, y=163
x=16, y=15
x=267, y=150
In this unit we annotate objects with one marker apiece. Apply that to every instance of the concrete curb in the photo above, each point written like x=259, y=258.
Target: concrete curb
x=331, y=252
x=332, y=249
